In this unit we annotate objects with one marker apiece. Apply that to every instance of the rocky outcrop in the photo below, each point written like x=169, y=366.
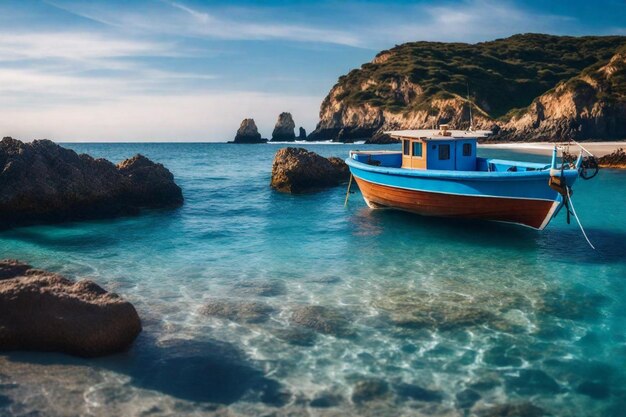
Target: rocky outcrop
x=44, y=182
x=420, y=85
x=616, y=159
x=43, y=311
x=284, y=129
x=302, y=134
x=248, y=133
x=590, y=106
x=296, y=170
x=364, y=121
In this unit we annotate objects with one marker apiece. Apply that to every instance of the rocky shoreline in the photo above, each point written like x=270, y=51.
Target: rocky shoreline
x=42, y=182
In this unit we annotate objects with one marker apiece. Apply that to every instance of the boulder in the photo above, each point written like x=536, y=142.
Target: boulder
x=296, y=170
x=369, y=389
x=42, y=182
x=237, y=311
x=284, y=129
x=302, y=134
x=248, y=133
x=322, y=319
x=44, y=311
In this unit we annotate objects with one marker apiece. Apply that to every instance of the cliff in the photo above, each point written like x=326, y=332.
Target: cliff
x=525, y=87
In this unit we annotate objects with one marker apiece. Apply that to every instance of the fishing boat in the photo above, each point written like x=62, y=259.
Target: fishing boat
x=437, y=173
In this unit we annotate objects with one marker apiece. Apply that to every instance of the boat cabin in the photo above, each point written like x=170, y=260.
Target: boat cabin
x=443, y=149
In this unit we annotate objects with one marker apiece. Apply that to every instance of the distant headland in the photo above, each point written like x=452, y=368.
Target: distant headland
x=527, y=87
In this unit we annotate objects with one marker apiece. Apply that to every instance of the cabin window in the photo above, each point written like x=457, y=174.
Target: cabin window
x=417, y=149
x=444, y=152
x=467, y=149
x=406, y=147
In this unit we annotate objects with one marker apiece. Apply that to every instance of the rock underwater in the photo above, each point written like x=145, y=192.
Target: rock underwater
x=296, y=170
x=43, y=311
x=42, y=182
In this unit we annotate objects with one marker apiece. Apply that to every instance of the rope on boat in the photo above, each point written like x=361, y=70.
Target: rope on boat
x=345, y=203
x=582, y=147
x=571, y=203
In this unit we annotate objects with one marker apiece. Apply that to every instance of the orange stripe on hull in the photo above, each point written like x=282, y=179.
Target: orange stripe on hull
x=533, y=213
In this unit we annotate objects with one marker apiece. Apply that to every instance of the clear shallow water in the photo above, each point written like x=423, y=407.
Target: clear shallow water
x=420, y=309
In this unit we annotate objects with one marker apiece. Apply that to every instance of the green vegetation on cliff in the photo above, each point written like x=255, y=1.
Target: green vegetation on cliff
x=503, y=75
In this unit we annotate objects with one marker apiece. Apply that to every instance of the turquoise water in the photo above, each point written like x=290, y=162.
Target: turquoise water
x=439, y=317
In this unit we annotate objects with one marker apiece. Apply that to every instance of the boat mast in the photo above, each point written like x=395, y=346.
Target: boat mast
x=469, y=103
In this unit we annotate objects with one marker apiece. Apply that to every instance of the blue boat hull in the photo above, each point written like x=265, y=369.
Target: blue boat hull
x=521, y=197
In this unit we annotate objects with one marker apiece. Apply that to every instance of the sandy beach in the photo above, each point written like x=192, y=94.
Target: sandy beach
x=544, y=148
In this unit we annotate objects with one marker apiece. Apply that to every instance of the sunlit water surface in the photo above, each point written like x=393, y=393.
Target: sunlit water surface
x=419, y=316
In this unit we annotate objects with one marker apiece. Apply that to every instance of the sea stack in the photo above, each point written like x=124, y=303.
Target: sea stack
x=284, y=129
x=248, y=133
x=302, y=134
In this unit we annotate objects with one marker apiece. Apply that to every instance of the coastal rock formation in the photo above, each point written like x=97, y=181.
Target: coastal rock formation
x=78, y=318
x=284, y=129
x=248, y=133
x=44, y=182
x=296, y=170
x=615, y=159
x=591, y=105
x=302, y=134
x=516, y=90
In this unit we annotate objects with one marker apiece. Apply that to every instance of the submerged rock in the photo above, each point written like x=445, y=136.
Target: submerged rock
x=284, y=129
x=296, y=336
x=512, y=410
x=325, y=400
x=572, y=305
x=415, y=392
x=237, y=311
x=43, y=311
x=531, y=382
x=296, y=170
x=449, y=311
x=467, y=398
x=255, y=288
x=593, y=389
x=323, y=320
x=44, y=182
x=369, y=390
x=248, y=133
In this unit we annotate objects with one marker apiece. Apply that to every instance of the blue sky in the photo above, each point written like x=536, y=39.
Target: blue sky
x=190, y=70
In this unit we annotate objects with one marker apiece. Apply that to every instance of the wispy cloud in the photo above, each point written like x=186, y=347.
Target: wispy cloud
x=365, y=26
x=177, y=18
x=77, y=45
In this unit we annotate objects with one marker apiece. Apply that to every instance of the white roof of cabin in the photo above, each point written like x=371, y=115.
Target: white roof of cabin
x=435, y=134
